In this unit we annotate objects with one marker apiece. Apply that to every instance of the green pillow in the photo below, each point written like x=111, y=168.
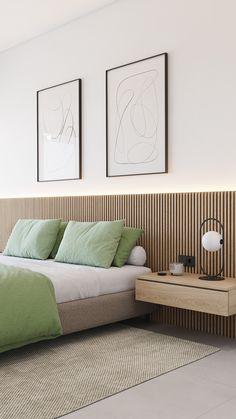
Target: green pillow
x=32, y=238
x=59, y=238
x=92, y=244
x=128, y=240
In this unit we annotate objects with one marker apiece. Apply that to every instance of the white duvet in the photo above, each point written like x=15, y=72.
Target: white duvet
x=74, y=282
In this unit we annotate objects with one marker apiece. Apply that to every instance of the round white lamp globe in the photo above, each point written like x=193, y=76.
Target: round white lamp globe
x=212, y=241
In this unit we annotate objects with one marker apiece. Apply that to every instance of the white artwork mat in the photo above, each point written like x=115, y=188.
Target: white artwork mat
x=136, y=118
x=59, y=132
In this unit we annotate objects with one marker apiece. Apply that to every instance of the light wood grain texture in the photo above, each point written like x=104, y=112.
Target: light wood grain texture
x=191, y=280
x=198, y=299
x=188, y=292
x=172, y=227
x=232, y=302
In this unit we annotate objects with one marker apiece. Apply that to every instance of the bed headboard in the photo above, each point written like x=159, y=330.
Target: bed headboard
x=171, y=221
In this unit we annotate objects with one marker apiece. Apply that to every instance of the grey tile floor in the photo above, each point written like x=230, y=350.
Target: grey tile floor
x=205, y=389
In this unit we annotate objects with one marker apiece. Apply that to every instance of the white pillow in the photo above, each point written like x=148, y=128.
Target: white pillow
x=137, y=256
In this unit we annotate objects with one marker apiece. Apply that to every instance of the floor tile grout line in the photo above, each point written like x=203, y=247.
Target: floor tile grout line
x=209, y=379
x=216, y=407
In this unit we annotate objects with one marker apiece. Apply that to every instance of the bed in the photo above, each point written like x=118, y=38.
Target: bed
x=87, y=296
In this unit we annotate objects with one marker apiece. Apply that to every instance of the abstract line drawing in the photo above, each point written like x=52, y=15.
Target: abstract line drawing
x=59, y=132
x=137, y=117
x=137, y=112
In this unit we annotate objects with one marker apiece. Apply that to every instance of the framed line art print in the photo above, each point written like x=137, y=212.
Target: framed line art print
x=136, y=117
x=59, y=132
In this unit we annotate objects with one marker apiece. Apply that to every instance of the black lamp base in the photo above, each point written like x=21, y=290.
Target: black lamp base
x=212, y=278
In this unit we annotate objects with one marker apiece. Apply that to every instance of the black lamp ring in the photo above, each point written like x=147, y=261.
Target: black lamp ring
x=207, y=276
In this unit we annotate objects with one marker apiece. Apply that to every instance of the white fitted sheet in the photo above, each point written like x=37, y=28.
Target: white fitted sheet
x=74, y=282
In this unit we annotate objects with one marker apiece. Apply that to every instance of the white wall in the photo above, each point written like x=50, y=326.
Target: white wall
x=199, y=36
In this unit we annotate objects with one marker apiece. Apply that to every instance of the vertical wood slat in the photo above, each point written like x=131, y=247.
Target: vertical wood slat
x=172, y=227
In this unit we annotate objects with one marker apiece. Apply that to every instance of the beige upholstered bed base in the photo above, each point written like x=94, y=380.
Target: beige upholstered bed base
x=91, y=312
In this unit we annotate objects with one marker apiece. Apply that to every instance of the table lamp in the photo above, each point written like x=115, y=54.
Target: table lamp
x=212, y=241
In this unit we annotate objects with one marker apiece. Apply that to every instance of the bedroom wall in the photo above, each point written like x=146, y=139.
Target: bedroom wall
x=200, y=39
x=171, y=223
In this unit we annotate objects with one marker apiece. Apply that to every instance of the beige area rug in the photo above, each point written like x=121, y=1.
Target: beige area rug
x=49, y=379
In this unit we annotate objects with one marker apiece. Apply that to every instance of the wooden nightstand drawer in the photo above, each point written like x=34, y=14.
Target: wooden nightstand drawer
x=188, y=292
x=214, y=301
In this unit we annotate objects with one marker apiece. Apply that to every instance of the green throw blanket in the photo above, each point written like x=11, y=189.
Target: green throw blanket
x=28, y=309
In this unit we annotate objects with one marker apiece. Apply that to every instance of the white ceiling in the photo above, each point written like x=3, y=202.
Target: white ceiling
x=21, y=20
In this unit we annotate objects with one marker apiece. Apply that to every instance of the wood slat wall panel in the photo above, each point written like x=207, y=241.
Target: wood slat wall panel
x=209, y=323
x=172, y=227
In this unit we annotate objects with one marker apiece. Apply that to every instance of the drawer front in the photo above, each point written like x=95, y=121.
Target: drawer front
x=197, y=299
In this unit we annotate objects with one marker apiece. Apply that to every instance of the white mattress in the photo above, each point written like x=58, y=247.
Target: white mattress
x=74, y=282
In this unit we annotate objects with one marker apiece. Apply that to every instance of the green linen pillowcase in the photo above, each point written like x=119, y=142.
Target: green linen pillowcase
x=32, y=238
x=128, y=240
x=59, y=238
x=88, y=243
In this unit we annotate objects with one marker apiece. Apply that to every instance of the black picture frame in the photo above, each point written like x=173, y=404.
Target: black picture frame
x=64, y=140
x=136, y=70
